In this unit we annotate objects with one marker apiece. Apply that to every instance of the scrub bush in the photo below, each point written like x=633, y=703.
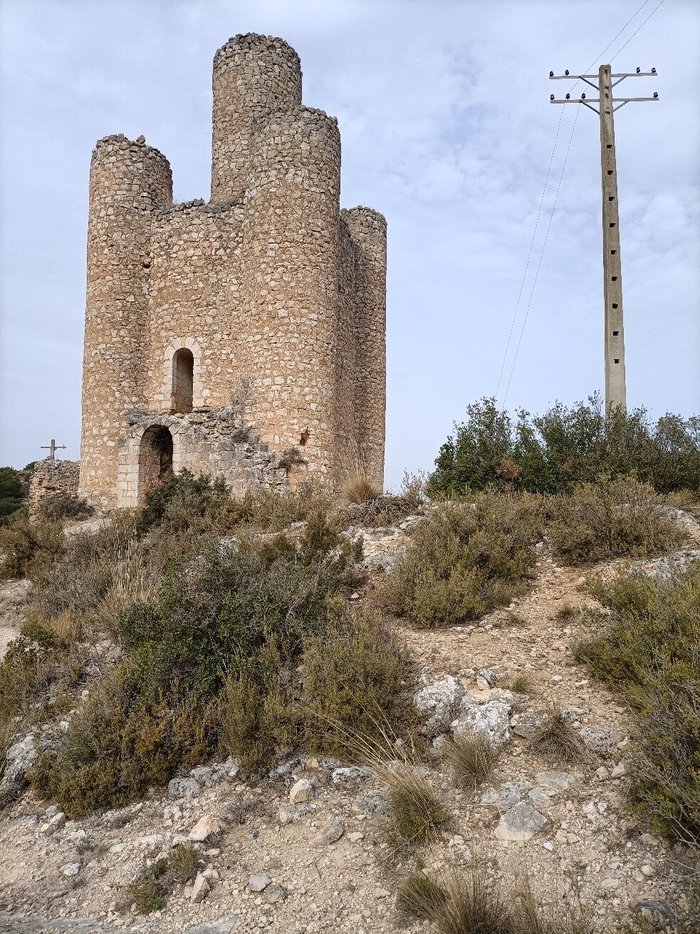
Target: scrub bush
x=611, y=519
x=465, y=559
x=650, y=653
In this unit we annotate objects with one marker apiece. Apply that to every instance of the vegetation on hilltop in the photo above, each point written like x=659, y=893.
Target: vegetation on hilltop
x=14, y=486
x=551, y=453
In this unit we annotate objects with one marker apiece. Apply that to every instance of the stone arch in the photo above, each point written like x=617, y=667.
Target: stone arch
x=172, y=355
x=183, y=381
x=155, y=458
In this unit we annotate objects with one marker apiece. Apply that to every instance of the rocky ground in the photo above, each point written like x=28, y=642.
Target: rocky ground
x=305, y=849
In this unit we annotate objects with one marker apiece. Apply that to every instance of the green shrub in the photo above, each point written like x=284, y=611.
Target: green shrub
x=88, y=567
x=219, y=642
x=120, y=743
x=40, y=667
x=26, y=547
x=155, y=882
x=464, y=560
x=182, y=502
x=260, y=721
x=65, y=506
x=356, y=672
x=650, y=652
x=566, y=446
x=268, y=510
x=611, y=519
x=14, y=486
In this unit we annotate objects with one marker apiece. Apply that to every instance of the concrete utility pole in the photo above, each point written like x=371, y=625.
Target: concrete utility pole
x=615, y=384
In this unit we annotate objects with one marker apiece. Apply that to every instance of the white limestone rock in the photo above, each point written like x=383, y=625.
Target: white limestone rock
x=490, y=721
x=520, y=823
x=438, y=702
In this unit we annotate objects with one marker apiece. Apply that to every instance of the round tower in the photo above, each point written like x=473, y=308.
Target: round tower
x=253, y=75
x=290, y=260
x=128, y=181
x=367, y=230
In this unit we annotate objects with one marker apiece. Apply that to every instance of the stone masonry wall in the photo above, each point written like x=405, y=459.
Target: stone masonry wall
x=217, y=442
x=267, y=285
x=52, y=478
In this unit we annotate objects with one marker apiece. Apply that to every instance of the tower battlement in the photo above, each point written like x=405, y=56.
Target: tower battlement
x=268, y=294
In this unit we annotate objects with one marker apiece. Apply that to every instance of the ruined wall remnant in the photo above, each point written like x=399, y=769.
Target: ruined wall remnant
x=52, y=478
x=268, y=285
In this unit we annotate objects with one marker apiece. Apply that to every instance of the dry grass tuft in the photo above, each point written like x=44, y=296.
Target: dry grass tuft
x=471, y=758
x=416, y=812
x=464, y=903
x=522, y=683
x=557, y=740
x=360, y=489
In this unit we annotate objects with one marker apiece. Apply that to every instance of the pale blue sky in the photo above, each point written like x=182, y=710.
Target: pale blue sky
x=443, y=107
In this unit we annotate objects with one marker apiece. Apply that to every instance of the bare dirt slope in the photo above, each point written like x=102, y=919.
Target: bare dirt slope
x=320, y=860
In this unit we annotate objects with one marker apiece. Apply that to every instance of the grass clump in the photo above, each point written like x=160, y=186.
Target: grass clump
x=465, y=559
x=522, y=683
x=26, y=547
x=471, y=758
x=650, y=652
x=611, y=519
x=416, y=813
x=149, y=892
x=420, y=897
x=557, y=740
x=415, y=810
x=360, y=489
x=65, y=506
x=465, y=903
x=460, y=903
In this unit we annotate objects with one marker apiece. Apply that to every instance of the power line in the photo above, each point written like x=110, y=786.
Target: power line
x=539, y=264
x=529, y=254
x=637, y=29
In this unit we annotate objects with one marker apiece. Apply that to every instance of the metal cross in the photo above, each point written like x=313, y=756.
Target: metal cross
x=52, y=448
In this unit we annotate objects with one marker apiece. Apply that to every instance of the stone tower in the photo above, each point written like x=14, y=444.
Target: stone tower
x=227, y=336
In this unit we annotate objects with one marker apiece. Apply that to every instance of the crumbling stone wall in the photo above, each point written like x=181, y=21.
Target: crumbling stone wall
x=52, y=478
x=217, y=442
x=268, y=284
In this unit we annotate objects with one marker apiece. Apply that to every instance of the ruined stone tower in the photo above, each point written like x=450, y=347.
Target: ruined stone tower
x=222, y=336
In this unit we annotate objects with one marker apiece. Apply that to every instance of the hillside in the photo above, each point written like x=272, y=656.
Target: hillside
x=306, y=844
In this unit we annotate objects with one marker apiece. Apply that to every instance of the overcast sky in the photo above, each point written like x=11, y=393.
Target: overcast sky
x=446, y=126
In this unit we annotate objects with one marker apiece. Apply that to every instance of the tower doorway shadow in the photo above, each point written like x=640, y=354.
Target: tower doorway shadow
x=155, y=459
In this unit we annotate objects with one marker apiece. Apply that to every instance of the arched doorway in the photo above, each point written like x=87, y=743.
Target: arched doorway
x=183, y=381
x=155, y=458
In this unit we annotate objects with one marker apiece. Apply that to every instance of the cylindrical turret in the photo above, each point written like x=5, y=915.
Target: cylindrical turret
x=290, y=260
x=253, y=76
x=367, y=229
x=128, y=181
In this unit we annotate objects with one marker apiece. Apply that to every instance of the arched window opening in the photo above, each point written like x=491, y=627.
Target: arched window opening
x=183, y=381
x=155, y=458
